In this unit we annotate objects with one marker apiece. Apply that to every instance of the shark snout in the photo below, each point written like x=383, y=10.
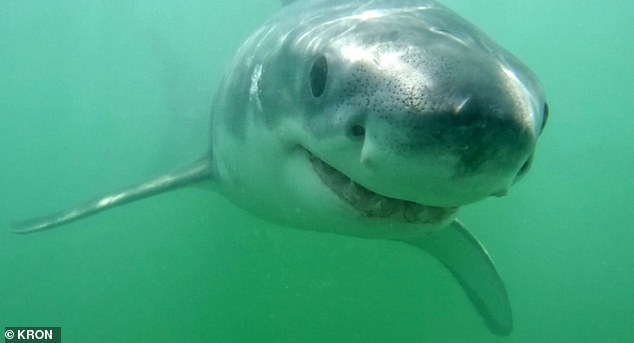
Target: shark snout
x=441, y=122
x=473, y=147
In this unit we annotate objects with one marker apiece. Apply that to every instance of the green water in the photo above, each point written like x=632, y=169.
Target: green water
x=95, y=95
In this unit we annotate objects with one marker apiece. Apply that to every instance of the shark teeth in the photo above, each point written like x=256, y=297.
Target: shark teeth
x=372, y=204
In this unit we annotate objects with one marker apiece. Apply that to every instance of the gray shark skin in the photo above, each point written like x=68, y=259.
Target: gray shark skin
x=374, y=119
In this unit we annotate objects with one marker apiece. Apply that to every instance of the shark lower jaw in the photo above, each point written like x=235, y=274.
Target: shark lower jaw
x=372, y=204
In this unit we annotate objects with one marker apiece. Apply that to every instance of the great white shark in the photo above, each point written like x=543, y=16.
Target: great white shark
x=367, y=118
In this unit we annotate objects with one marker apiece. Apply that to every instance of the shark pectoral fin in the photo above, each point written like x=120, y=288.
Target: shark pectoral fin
x=199, y=171
x=469, y=262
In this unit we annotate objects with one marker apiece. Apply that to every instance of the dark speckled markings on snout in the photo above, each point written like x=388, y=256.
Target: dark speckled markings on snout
x=460, y=103
x=472, y=135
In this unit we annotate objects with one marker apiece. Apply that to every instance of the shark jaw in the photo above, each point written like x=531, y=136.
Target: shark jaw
x=372, y=204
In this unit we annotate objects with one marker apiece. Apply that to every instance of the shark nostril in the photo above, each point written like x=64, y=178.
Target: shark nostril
x=356, y=132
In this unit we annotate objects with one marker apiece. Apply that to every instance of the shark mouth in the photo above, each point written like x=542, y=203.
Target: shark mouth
x=372, y=204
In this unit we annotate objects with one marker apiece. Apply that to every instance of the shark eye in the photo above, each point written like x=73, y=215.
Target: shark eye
x=544, y=116
x=525, y=167
x=318, y=76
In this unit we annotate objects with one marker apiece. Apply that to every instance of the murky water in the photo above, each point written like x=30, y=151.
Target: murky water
x=96, y=95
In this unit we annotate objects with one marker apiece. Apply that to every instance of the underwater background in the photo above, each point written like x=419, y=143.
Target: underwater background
x=97, y=95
